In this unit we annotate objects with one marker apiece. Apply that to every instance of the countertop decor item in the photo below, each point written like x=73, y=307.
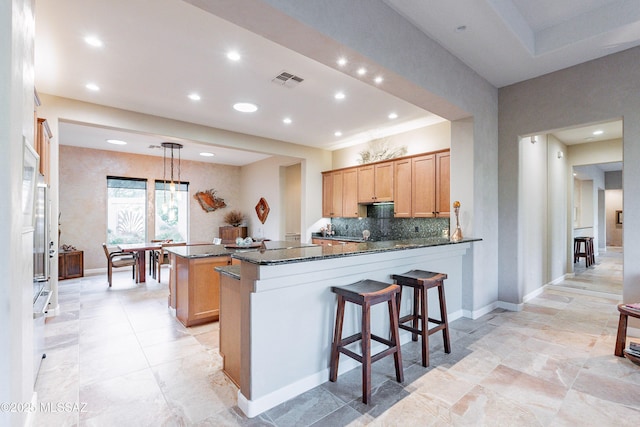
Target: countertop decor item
x=457, y=235
x=208, y=200
x=234, y=218
x=262, y=210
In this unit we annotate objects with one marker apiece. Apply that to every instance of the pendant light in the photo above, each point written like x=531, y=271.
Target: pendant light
x=171, y=207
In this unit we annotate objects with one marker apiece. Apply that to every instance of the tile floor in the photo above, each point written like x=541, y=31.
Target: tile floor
x=605, y=276
x=120, y=352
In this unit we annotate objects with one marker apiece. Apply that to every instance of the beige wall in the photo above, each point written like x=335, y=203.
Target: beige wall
x=429, y=138
x=83, y=194
x=613, y=203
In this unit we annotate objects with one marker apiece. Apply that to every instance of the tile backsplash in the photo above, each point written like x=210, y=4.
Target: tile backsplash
x=383, y=226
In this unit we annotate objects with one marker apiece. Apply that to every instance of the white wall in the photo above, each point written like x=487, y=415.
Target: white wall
x=558, y=172
x=596, y=91
x=16, y=252
x=533, y=216
x=266, y=178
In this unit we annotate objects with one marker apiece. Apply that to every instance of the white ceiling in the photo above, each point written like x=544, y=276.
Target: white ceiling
x=508, y=41
x=156, y=52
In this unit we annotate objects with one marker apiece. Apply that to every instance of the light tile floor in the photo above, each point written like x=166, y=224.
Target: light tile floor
x=120, y=352
x=605, y=276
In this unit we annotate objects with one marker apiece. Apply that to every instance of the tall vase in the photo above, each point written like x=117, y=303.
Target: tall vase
x=457, y=234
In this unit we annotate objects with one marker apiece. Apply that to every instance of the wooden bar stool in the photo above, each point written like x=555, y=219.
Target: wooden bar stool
x=583, y=248
x=421, y=281
x=366, y=293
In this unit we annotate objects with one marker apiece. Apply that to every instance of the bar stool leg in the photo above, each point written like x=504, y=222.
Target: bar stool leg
x=366, y=353
x=414, y=320
x=337, y=337
x=395, y=339
x=443, y=317
x=424, y=315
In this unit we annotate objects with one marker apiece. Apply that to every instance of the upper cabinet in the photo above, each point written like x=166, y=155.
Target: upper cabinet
x=375, y=183
x=43, y=138
x=402, y=188
x=417, y=185
x=332, y=194
x=430, y=185
x=340, y=194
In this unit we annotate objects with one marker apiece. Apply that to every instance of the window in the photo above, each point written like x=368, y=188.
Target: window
x=126, y=210
x=172, y=211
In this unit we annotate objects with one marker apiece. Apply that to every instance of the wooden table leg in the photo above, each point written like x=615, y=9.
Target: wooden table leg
x=622, y=335
x=142, y=274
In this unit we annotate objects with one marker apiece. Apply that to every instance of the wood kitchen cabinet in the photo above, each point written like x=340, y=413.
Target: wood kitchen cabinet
x=350, y=206
x=402, y=188
x=332, y=194
x=375, y=183
x=70, y=264
x=430, y=185
x=42, y=146
x=198, y=288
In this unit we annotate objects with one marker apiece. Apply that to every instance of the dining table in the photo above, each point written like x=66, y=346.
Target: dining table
x=141, y=249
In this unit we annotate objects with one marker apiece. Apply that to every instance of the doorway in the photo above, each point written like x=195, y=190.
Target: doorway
x=564, y=177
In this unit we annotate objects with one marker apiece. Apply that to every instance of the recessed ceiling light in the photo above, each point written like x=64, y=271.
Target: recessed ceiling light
x=598, y=132
x=342, y=62
x=245, y=107
x=337, y=133
x=116, y=142
x=362, y=71
x=286, y=120
x=339, y=95
x=194, y=97
x=92, y=86
x=233, y=55
x=93, y=41
x=207, y=154
x=392, y=116
x=378, y=80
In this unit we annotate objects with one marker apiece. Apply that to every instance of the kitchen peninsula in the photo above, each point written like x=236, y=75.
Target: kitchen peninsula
x=287, y=308
x=194, y=290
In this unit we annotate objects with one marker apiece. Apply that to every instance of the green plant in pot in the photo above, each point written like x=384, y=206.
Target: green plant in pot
x=234, y=218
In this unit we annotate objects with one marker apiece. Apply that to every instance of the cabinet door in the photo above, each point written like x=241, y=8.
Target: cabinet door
x=332, y=194
x=204, y=289
x=423, y=194
x=350, y=193
x=336, y=194
x=366, y=184
x=43, y=140
x=383, y=187
x=443, y=199
x=402, y=190
x=327, y=194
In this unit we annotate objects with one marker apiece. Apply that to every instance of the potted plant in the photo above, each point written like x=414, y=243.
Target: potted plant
x=234, y=218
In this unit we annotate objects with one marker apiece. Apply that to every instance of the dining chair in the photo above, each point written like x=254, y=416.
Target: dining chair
x=153, y=256
x=162, y=257
x=117, y=259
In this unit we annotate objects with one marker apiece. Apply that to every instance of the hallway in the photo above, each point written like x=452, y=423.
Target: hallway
x=604, y=277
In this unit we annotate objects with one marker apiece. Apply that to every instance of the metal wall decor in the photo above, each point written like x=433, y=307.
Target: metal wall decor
x=208, y=200
x=262, y=210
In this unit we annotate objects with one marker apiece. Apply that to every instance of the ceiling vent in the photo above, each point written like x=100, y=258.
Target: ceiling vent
x=287, y=80
x=153, y=147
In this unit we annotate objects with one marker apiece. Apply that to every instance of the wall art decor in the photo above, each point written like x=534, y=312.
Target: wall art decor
x=262, y=210
x=208, y=200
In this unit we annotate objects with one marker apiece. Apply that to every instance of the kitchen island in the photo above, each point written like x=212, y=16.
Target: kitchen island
x=194, y=289
x=287, y=309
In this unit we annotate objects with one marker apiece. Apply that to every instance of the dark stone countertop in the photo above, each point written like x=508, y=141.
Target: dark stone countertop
x=312, y=253
x=205, y=251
